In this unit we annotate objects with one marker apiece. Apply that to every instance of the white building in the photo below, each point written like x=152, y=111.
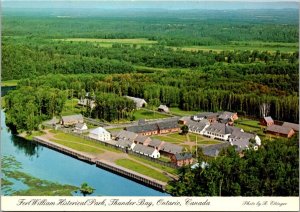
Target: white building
x=81, y=127
x=145, y=150
x=138, y=101
x=100, y=134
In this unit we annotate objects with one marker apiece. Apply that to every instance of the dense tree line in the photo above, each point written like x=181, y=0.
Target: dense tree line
x=27, y=107
x=111, y=107
x=187, y=90
x=272, y=170
x=175, y=28
x=28, y=58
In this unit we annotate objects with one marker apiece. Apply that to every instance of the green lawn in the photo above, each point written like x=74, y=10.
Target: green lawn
x=179, y=112
x=70, y=107
x=79, y=144
x=139, y=168
x=33, y=134
x=166, y=139
x=145, y=114
x=178, y=137
x=164, y=168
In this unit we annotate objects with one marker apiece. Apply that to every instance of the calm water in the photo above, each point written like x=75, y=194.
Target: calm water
x=50, y=165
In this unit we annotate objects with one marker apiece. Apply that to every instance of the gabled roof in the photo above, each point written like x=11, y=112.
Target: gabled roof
x=204, y=114
x=167, y=125
x=171, y=148
x=221, y=128
x=155, y=142
x=291, y=125
x=240, y=144
x=237, y=134
x=163, y=107
x=268, y=119
x=79, y=125
x=98, y=131
x=124, y=134
x=225, y=115
x=124, y=143
x=141, y=139
x=142, y=128
x=214, y=150
x=137, y=100
x=144, y=149
x=279, y=129
x=183, y=156
x=193, y=125
x=77, y=117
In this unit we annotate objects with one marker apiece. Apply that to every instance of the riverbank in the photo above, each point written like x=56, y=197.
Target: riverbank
x=89, y=158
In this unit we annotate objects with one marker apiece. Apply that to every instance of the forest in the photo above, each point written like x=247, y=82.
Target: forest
x=272, y=170
x=161, y=61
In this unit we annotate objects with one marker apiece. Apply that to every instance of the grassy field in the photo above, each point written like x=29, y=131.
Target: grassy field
x=9, y=83
x=243, y=46
x=33, y=134
x=109, y=42
x=81, y=144
x=145, y=114
x=179, y=112
x=139, y=168
x=156, y=165
x=70, y=107
x=176, y=138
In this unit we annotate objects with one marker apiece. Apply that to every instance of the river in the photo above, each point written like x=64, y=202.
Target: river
x=47, y=164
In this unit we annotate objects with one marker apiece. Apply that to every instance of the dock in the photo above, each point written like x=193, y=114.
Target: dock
x=103, y=164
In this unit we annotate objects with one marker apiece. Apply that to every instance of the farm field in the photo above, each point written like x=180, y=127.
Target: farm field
x=179, y=112
x=247, y=46
x=109, y=42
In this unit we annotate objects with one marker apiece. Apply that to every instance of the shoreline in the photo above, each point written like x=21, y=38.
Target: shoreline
x=129, y=174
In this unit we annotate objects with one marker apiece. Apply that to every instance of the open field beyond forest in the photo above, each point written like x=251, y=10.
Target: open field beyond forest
x=247, y=46
x=234, y=45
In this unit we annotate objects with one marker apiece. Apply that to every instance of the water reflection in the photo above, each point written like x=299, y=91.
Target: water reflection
x=29, y=148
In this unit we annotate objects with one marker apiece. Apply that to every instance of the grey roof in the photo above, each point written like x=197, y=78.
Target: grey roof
x=240, y=144
x=141, y=138
x=171, y=148
x=291, y=125
x=268, y=119
x=155, y=142
x=185, y=118
x=168, y=125
x=212, y=115
x=204, y=114
x=196, y=125
x=237, y=134
x=126, y=135
x=123, y=143
x=183, y=156
x=142, y=128
x=141, y=121
x=71, y=118
x=163, y=107
x=138, y=101
x=214, y=150
x=144, y=149
x=279, y=129
x=225, y=115
x=221, y=128
x=79, y=125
